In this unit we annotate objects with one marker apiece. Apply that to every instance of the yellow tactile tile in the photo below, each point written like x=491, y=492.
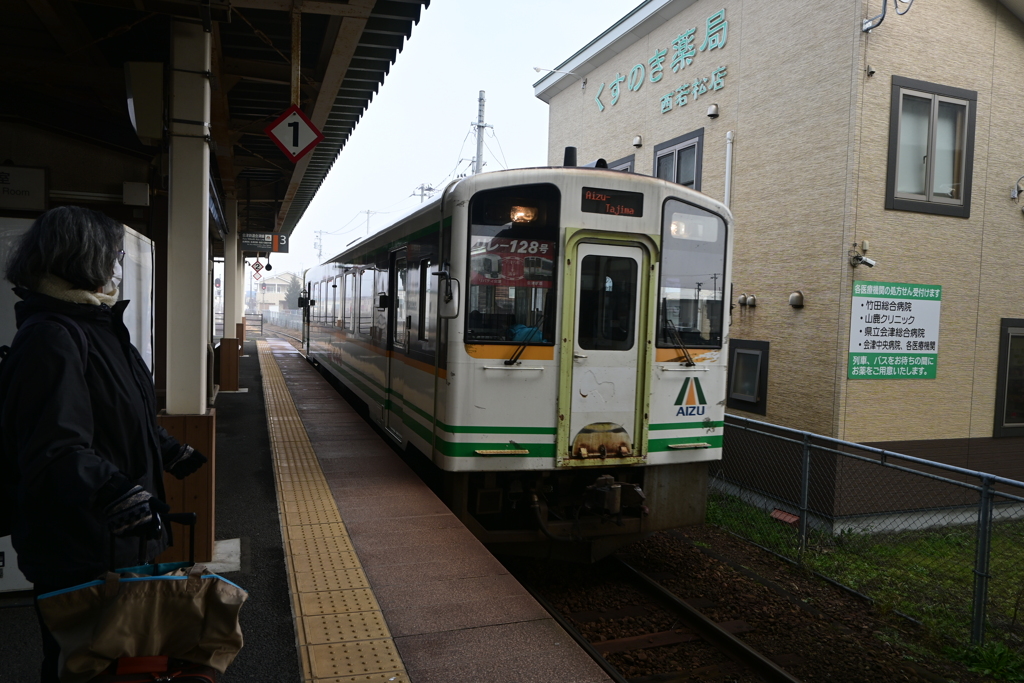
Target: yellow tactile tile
x=337, y=602
x=336, y=628
x=335, y=579
x=354, y=658
x=324, y=563
x=341, y=632
x=318, y=546
x=385, y=677
x=317, y=530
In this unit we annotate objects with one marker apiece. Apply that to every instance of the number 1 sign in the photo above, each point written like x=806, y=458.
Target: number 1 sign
x=294, y=133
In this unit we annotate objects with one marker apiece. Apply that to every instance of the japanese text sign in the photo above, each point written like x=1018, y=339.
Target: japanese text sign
x=265, y=242
x=683, y=50
x=894, y=331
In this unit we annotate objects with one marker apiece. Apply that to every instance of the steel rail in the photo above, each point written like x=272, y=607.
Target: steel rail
x=761, y=665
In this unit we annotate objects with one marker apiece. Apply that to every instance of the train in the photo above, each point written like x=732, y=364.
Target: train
x=550, y=342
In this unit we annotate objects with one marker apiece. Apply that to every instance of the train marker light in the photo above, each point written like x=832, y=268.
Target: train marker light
x=523, y=214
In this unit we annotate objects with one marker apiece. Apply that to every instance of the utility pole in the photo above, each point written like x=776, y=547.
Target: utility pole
x=422, y=191
x=368, y=214
x=478, y=162
x=318, y=244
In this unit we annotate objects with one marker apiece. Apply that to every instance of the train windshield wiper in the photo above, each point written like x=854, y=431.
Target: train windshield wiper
x=677, y=341
x=531, y=336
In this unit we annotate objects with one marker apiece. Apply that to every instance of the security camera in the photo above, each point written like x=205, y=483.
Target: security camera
x=860, y=259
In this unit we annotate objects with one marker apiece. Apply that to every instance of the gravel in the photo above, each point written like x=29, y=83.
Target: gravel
x=814, y=630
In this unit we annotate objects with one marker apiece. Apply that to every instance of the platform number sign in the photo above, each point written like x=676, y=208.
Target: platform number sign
x=294, y=133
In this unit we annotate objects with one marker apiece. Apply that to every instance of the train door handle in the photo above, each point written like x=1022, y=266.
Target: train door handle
x=579, y=355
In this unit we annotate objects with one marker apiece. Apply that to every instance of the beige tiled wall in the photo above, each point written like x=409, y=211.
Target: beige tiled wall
x=811, y=142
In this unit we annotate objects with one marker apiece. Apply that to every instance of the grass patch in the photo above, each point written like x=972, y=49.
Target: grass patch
x=927, y=574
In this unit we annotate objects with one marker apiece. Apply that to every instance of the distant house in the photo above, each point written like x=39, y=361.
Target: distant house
x=269, y=293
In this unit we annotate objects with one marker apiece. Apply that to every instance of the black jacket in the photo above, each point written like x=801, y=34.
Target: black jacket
x=66, y=430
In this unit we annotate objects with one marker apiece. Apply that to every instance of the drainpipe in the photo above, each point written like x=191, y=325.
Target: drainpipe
x=728, y=168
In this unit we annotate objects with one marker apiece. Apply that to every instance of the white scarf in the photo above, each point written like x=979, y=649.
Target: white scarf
x=58, y=288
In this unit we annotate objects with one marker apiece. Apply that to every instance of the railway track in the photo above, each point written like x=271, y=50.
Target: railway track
x=712, y=647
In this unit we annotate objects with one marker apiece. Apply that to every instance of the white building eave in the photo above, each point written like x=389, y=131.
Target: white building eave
x=632, y=27
x=645, y=18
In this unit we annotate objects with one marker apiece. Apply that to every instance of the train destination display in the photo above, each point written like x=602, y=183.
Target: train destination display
x=614, y=202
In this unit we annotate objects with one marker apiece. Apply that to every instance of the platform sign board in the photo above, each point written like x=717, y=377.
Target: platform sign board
x=894, y=331
x=294, y=133
x=22, y=188
x=263, y=242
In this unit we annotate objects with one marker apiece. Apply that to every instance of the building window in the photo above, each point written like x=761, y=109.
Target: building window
x=625, y=164
x=748, y=376
x=679, y=159
x=931, y=148
x=1009, y=418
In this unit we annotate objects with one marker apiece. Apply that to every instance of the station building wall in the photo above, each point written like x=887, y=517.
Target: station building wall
x=810, y=164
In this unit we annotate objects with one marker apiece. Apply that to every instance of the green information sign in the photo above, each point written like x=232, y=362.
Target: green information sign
x=894, y=331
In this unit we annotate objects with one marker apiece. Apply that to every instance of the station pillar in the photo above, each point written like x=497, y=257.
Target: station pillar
x=188, y=416
x=230, y=346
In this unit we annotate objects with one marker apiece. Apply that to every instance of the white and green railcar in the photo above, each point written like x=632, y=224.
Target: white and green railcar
x=552, y=339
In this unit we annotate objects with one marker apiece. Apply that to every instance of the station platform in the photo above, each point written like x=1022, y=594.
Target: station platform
x=356, y=570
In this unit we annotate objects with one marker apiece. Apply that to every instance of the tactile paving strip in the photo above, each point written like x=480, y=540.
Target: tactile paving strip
x=348, y=659
x=342, y=635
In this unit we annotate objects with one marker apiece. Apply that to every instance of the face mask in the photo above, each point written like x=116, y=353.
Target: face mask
x=115, y=280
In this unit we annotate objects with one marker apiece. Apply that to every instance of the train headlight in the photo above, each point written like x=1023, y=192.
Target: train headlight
x=523, y=214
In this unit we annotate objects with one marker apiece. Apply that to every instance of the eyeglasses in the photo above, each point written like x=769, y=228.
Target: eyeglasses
x=120, y=256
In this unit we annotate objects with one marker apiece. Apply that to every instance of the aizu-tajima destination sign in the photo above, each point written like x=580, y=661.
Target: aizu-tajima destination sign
x=294, y=133
x=894, y=331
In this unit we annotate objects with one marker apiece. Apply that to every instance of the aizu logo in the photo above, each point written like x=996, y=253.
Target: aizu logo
x=691, y=399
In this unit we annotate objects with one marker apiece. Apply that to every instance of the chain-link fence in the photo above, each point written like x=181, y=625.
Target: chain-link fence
x=940, y=544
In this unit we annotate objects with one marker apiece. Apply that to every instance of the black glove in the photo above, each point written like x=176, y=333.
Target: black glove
x=135, y=512
x=187, y=461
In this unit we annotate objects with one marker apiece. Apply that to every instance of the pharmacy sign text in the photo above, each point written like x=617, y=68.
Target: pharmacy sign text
x=894, y=331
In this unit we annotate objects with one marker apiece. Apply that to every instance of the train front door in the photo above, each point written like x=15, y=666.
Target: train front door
x=606, y=390
x=398, y=344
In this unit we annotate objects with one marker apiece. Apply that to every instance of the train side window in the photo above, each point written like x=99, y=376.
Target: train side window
x=513, y=249
x=427, y=302
x=332, y=285
x=748, y=376
x=380, y=315
x=350, y=298
x=366, y=301
x=400, y=336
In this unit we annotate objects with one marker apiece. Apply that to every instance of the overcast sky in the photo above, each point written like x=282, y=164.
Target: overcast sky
x=417, y=128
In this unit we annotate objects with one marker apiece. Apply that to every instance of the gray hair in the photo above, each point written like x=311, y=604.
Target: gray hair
x=75, y=244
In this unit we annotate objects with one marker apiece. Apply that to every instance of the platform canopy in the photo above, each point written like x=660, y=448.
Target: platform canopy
x=67, y=70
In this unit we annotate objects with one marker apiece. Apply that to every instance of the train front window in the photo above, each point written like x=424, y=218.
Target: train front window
x=513, y=249
x=691, y=296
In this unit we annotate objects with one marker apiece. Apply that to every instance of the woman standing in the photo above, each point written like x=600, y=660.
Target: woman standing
x=81, y=452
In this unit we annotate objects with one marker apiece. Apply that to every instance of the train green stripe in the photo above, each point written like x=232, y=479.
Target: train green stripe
x=685, y=425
